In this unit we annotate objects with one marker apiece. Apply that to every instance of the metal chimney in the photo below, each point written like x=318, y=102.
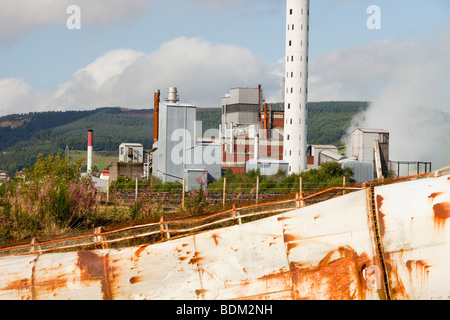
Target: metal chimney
x=89, y=151
x=156, y=116
x=172, y=95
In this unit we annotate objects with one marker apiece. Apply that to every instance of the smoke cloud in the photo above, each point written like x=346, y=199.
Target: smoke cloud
x=414, y=103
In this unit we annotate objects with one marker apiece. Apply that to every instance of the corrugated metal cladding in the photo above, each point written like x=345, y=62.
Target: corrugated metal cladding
x=386, y=242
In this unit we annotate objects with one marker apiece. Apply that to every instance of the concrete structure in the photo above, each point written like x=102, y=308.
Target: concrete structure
x=178, y=153
x=131, y=152
x=296, y=85
x=122, y=169
x=363, y=147
x=321, y=153
x=241, y=107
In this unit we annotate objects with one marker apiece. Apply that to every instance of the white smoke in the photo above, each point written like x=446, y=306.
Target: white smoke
x=414, y=104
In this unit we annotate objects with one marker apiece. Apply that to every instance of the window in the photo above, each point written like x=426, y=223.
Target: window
x=289, y=105
x=290, y=152
x=291, y=121
x=290, y=11
x=292, y=58
x=289, y=137
x=293, y=27
x=290, y=43
x=292, y=74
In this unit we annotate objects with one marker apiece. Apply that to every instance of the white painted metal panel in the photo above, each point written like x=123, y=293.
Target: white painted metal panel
x=244, y=261
x=329, y=246
x=16, y=278
x=416, y=236
x=166, y=271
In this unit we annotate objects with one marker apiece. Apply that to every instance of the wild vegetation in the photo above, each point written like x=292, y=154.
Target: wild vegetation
x=56, y=199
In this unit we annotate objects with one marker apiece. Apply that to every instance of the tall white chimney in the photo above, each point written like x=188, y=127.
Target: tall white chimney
x=89, y=151
x=296, y=85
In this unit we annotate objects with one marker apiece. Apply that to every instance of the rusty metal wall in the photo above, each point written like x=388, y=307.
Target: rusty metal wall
x=416, y=237
x=387, y=242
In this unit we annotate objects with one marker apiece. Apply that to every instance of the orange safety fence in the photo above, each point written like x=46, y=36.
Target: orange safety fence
x=163, y=228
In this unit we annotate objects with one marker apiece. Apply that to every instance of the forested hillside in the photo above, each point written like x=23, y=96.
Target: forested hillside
x=23, y=137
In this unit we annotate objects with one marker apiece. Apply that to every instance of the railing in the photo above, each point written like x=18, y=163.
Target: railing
x=164, y=230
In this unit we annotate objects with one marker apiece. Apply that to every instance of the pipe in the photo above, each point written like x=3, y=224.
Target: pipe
x=89, y=151
x=266, y=121
x=259, y=102
x=156, y=116
x=256, y=149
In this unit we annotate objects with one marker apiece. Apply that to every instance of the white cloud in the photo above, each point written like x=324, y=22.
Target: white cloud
x=356, y=72
x=413, y=103
x=203, y=72
x=18, y=17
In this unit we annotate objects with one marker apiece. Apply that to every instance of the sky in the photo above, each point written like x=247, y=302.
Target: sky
x=126, y=49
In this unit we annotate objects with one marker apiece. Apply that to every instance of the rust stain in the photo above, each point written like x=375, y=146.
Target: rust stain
x=196, y=259
x=134, y=280
x=22, y=284
x=338, y=276
x=138, y=251
x=380, y=214
x=289, y=240
x=420, y=266
x=441, y=213
x=215, y=237
x=434, y=195
x=397, y=288
x=200, y=291
x=94, y=267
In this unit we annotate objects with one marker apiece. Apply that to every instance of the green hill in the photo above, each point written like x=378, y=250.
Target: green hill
x=23, y=137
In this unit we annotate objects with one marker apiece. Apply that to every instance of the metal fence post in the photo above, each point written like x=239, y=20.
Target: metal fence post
x=224, y=190
x=257, y=189
x=183, y=194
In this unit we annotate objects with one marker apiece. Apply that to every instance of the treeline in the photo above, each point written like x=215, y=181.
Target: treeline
x=329, y=121
x=24, y=137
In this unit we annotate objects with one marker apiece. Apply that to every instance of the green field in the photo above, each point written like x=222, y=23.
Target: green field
x=100, y=159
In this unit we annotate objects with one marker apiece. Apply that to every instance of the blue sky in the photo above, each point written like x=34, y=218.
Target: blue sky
x=49, y=54
x=42, y=52
x=126, y=49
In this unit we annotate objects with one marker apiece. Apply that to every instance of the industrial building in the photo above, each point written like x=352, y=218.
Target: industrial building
x=131, y=153
x=249, y=124
x=179, y=153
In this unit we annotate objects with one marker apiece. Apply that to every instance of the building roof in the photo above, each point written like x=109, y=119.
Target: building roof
x=368, y=130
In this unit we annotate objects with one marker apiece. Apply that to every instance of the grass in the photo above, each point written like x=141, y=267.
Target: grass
x=101, y=159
